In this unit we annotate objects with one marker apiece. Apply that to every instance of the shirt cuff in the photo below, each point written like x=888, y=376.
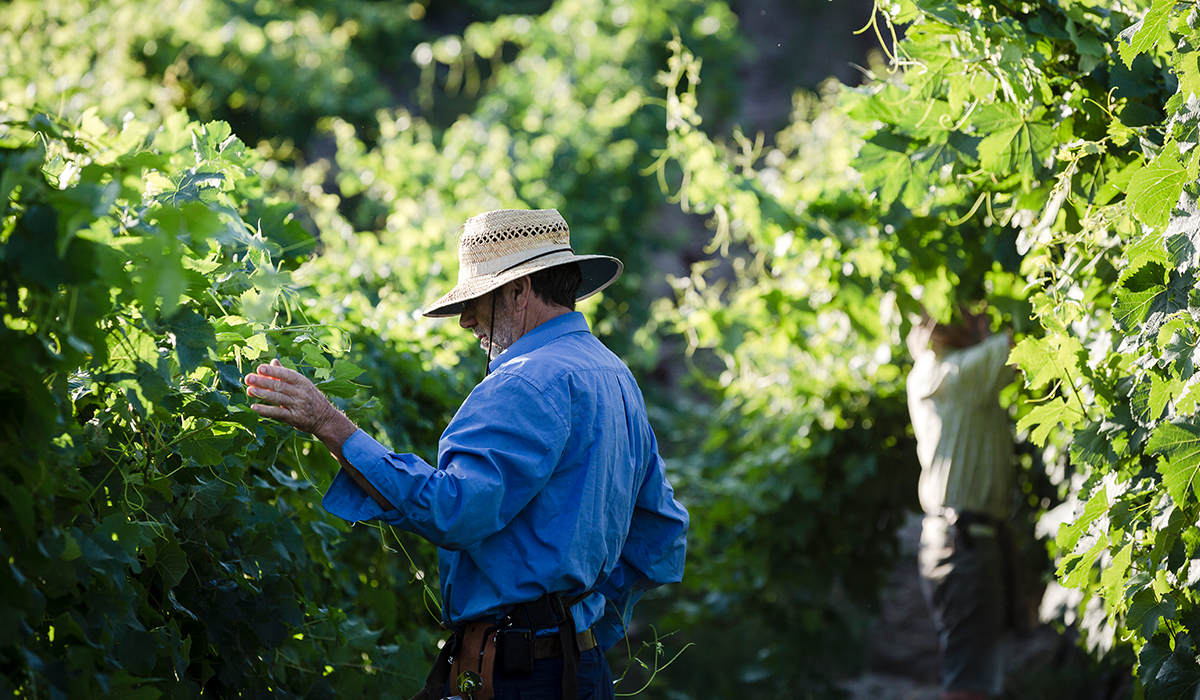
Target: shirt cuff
x=613, y=626
x=345, y=498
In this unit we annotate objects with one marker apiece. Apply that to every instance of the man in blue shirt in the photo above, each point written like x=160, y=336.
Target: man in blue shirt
x=549, y=502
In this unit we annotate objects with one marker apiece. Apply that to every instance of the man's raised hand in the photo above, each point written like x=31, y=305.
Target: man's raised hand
x=291, y=398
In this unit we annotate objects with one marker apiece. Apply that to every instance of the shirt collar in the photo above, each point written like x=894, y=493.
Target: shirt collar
x=573, y=322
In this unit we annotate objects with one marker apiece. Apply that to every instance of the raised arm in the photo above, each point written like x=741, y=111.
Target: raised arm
x=293, y=399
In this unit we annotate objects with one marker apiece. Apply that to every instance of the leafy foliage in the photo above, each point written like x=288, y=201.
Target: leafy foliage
x=789, y=339
x=1039, y=158
x=163, y=540
x=159, y=539
x=1074, y=126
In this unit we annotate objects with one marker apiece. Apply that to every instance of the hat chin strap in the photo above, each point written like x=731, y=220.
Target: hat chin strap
x=487, y=366
x=487, y=363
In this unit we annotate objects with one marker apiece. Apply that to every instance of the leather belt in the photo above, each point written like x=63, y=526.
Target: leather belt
x=551, y=647
x=970, y=523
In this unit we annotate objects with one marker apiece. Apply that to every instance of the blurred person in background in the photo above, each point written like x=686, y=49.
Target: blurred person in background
x=965, y=447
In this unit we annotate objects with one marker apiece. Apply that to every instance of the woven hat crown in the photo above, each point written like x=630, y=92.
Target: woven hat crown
x=499, y=246
x=497, y=240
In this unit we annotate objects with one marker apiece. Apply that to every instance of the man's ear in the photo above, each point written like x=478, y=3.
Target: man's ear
x=522, y=291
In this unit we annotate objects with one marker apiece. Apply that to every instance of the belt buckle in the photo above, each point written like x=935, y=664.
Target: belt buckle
x=469, y=682
x=557, y=608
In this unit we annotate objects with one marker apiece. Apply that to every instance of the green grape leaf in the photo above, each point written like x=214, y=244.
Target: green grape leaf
x=1144, y=298
x=146, y=387
x=31, y=247
x=1088, y=45
x=340, y=379
x=1145, y=610
x=1151, y=657
x=1147, y=248
x=934, y=117
x=1093, y=508
x=1113, y=577
x=1179, y=444
x=286, y=481
x=1142, y=405
x=279, y=225
x=1183, y=232
x=1114, y=179
x=1092, y=447
x=1177, y=677
x=1173, y=300
x=19, y=164
x=215, y=141
x=1163, y=390
x=1014, y=141
x=1187, y=69
x=889, y=105
x=190, y=187
x=1046, y=416
x=210, y=449
x=191, y=222
x=171, y=563
x=1131, y=308
x=258, y=305
x=315, y=357
x=1047, y=359
x=1154, y=190
x=1178, y=348
x=257, y=345
x=1184, y=124
x=887, y=170
x=927, y=163
x=157, y=269
x=194, y=338
x=1075, y=570
x=1146, y=34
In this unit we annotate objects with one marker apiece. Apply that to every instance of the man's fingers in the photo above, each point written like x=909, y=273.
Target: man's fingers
x=268, y=411
x=259, y=392
x=268, y=383
x=280, y=372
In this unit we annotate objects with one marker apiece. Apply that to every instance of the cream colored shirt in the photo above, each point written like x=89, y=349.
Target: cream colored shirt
x=964, y=439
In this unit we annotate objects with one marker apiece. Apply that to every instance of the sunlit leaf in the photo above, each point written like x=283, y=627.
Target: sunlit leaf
x=1154, y=189
x=1179, y=444
x=1147, y=33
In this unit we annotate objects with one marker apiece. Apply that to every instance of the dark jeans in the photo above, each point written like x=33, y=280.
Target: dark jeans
x=545, y=683
x=964, y=584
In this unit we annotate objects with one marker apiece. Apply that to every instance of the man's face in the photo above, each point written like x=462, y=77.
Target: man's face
x=494, y=334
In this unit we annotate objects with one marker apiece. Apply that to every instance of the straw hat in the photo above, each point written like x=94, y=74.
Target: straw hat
x=500, y=246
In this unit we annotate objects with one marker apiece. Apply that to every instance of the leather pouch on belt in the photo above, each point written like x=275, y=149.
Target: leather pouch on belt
x=471, y=673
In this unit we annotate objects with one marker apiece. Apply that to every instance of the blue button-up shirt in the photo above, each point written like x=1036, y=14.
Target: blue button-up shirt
x=548, y=479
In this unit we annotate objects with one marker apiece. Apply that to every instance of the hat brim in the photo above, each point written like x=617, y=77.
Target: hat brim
x=598, y=271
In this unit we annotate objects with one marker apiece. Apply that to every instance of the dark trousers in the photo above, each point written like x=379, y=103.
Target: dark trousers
x=963, y=579
x=545, y=683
